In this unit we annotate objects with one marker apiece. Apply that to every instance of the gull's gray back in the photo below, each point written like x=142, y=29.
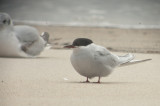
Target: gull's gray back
x=26, y=33
x=32, y=42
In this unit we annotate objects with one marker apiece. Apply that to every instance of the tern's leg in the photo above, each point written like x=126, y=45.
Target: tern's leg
x=87, y=80
x=99, y=78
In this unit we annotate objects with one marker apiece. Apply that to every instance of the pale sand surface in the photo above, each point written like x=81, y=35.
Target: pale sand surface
x=50, y=80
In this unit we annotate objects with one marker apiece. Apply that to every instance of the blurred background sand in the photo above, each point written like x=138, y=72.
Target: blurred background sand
x=49, y=80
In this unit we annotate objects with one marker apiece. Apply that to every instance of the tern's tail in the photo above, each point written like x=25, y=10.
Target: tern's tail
x=128, y=60
x=134, y=62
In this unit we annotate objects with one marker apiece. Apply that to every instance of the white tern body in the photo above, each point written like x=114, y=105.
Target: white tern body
x=96, y=61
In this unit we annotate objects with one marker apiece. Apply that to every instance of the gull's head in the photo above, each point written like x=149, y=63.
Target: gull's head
x=79, y=42
x=5, y=20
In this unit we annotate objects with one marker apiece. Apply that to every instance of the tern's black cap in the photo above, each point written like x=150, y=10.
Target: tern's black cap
x=79, y=42
x=82, y=42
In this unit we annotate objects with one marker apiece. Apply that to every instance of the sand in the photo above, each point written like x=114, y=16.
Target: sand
x=115, y=39
x=50, y=80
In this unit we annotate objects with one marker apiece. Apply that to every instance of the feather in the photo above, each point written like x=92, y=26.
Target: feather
x=134, y=62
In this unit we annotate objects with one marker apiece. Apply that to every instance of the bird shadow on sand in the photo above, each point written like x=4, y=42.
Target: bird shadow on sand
x=107, y=83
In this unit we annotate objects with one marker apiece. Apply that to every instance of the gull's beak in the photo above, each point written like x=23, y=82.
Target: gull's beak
x=69, y=46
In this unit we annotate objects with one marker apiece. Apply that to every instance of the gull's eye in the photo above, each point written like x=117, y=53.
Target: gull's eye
x=4, y=21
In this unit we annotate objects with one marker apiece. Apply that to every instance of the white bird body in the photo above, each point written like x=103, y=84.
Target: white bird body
x=20, y=40
x=94, y=60
x=91, y=60
x=9, y=44
x=29, y=36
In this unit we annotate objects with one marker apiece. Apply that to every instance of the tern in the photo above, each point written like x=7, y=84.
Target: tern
x=91, y=60
x=20, y=40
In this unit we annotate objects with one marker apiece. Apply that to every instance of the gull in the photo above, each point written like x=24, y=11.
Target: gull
x=91, y=60
x=20, y=40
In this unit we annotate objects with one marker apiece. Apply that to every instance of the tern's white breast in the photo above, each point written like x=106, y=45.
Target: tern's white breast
x=85, y=62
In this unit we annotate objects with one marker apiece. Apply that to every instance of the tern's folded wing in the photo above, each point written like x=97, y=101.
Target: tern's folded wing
x=126, y=58
x=102, y=55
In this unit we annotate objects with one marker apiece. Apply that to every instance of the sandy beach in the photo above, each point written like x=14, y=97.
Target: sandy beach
x=122, y=26
x=50, y=80
x=115, y=39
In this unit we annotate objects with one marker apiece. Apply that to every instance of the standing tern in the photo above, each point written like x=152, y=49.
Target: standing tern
x=91, y=60
x=20, y=40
